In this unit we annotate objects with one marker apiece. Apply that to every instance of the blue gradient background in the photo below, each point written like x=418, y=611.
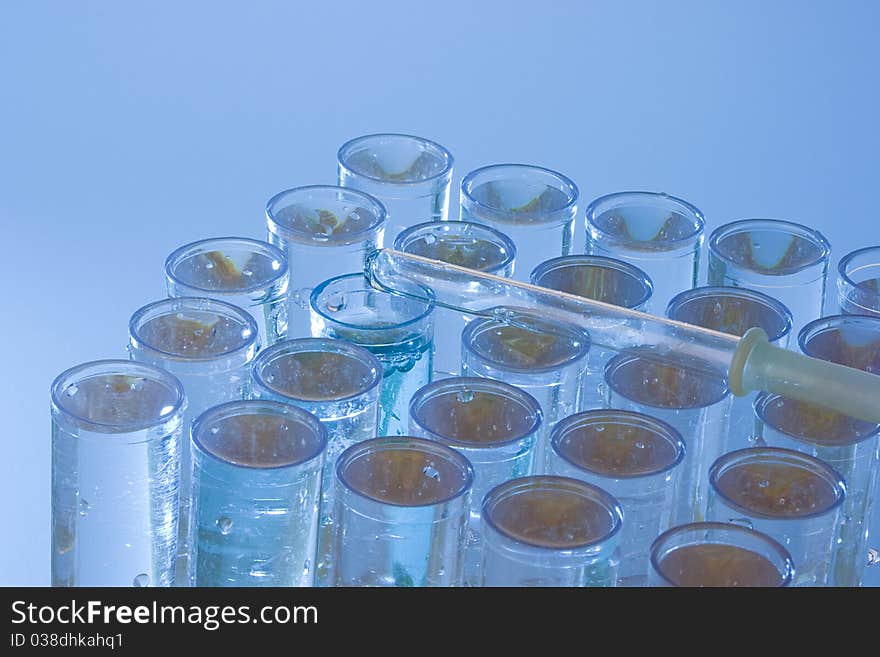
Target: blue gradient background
x=128, y=129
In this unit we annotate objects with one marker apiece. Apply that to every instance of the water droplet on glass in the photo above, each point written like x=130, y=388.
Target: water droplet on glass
x=873, y=557
x=215, y=430
x=430, y=239
x=224, y=524
x=760, y=442
x=141, y=580
x=600, y=428
x=284, y=427
x=83, y=507
x=465, y=395
x=209, y=265
x=247, y=272
x=71, y=390
x=640, y=444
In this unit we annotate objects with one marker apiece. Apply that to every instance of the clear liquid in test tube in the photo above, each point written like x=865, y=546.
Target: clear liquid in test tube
x=209, y=346
x=402, y=506
x=494, y=425
x=535, y=207
x=323, y=230
x=247, y=273
x=636, y=459
x=719, y=554
x=787, y=495
x=547, y=360
x=550, y=531
x=658, y=233
x=410, y=175
x=339, y=383
x=255, y=493
x=465, y=244
x=601, y=279
x=116, y=429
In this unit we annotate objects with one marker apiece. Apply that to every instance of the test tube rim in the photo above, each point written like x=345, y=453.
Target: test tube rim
x=587, y=260
x=206, y=305
x=509, y=246
x=735, y=457
x=695, y=214
x=595, y=493
x=446, y=156
x=476, y=382
x=226, y=410
x=277, y=227
x=569, y=186
x=764, y=399
x=318, y=289
x=181, y=253
x=576, y=420
x=777, y=547
x=575, y=332
x=433, y=446
x=794, y=228
x=752, y=295
x=292, y=345
x=827, y=323
x=63, y=381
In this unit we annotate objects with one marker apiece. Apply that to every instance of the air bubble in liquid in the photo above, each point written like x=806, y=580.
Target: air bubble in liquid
x=224, y=524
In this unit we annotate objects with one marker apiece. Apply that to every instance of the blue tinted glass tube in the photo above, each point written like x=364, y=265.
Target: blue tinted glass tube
x=785, y=260
x=734, y=311
x=849, y=446
x=339, y=383
x=787, y=495
x=247, y=273
x=209, y=346
x=550, y=531
x=601, y=279
x=466, y=244
x=853, y=341
x=535, y=207
x=636, y=459
x=402, y=504
x=256, y=489
x=549, y=361
x=696, y=404
x=410, y=175
x=323, y=230
x=719, y=554
x=494, y=425
x=658, y=233
x=858, y=282
x=398, y=331
x=116, y=429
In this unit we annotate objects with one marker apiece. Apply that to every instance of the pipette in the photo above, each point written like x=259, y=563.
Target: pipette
x=748, y=363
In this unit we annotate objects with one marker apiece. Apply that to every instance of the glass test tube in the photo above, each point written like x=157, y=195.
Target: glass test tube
x=247, y=273
x=719, y=554
x=695, y=403
x=256, y=488
x=787, y=495
x=322, y=230
x=398, y=331
x=785, y=260
x=536, y=207
x=734, y=310
x=337, y=382
x=410, y=175
x=462, y=243
x=658, y=233
x=208, y=345
x=547, y=360
x=849, y=446
x=402, y=506
x=494, y=425
x=601, y=279
x=550, y=531
x=115, y=468
x=633, y=457
x=853, y=341
x=858, y=282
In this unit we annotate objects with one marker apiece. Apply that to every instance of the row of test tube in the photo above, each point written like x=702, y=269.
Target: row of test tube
x=232, y=296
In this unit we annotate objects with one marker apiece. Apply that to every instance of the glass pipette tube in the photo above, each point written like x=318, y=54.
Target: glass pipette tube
x=749, y=363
